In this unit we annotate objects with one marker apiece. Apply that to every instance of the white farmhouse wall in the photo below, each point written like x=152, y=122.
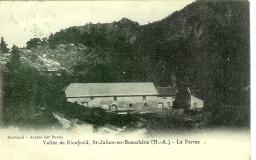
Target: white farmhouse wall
x=134, y=102
x=122, y=103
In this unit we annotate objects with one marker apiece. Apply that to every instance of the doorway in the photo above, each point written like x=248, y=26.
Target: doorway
x=160, y=105
x=113, y=108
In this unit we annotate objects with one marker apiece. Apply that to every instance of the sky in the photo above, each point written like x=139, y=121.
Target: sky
x=21, y=21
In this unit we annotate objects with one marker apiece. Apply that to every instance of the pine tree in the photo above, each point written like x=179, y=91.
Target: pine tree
x=15, y=56
x=3, y=46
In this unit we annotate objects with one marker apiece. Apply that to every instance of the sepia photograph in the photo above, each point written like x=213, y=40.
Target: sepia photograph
x=125, y=74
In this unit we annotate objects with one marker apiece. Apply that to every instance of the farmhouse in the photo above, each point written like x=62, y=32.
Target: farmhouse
x=114, y=96
x=125, y=97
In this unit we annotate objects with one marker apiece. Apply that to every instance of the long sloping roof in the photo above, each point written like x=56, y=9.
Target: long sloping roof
x=167, y=91
x=110, y=89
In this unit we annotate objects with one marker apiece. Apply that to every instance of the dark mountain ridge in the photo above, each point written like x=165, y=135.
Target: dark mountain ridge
x=207, y=41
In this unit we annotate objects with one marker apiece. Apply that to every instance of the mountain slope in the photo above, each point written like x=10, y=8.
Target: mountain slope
x=207, y=41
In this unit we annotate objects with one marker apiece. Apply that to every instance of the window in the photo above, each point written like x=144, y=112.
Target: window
x=145, y=104
x=195, y=104
x=130, y=105
x=144, y=97
x=92, y=98
x=169, y=104
x=115, y=98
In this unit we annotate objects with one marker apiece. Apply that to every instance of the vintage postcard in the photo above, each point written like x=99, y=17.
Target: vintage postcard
x=125, y=80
